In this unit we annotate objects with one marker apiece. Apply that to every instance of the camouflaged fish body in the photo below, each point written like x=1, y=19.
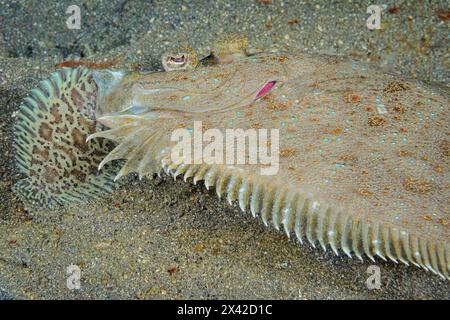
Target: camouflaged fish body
x=363, y=156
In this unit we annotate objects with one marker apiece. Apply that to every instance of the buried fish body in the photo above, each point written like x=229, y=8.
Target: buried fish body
x=363, y=159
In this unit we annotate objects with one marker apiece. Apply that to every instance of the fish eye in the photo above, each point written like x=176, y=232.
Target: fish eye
x=178, y=60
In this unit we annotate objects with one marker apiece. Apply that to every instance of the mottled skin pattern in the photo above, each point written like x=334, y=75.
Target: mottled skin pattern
x=229, y=48
x=364, y=147
x=58, y=163
x=364, y=155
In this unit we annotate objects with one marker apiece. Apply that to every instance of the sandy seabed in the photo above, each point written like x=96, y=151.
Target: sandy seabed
x=165, y=239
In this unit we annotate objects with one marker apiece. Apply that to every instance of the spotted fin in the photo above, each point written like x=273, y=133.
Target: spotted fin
x=50, y=145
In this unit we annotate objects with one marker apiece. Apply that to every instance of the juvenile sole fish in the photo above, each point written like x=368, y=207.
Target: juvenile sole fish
x=363, y=156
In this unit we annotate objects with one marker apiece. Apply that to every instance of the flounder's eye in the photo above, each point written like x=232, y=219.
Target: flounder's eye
x=178, y=60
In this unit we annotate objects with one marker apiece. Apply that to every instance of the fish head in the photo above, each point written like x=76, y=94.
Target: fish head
x=205, y=90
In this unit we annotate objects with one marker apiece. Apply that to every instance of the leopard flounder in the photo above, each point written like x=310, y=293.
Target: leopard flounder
x=364, y=156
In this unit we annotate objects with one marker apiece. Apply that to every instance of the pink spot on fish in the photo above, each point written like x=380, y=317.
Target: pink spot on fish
x=267, y=87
